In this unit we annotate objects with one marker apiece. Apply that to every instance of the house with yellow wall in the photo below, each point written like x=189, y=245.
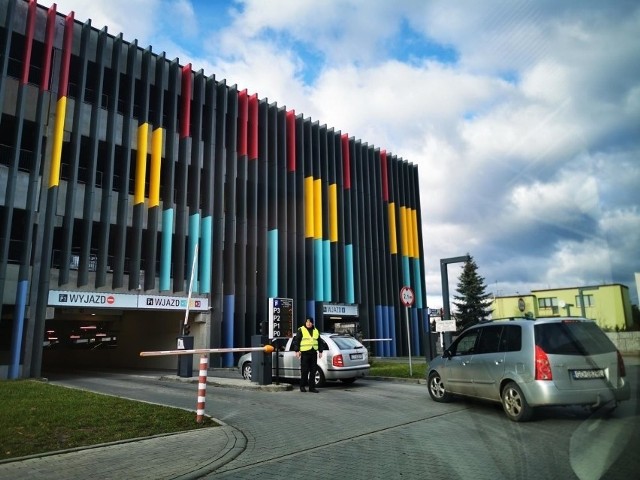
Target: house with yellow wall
x=608, y=305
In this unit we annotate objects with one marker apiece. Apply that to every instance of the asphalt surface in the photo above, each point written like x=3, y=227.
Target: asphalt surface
x=154, y=457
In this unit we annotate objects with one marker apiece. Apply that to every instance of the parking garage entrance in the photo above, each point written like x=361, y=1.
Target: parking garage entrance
x=90, y=330
x=341, y=318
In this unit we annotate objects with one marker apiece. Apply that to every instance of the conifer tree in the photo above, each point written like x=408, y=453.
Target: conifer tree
x=472, y=302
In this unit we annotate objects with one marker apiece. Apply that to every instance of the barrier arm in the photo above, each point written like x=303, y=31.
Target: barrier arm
x=204, y=366
x=159, y=353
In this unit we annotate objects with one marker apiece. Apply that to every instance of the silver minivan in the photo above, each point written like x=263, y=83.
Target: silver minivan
x=527, y=363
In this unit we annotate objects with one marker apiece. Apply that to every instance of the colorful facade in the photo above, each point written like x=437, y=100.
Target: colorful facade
x=127, y=173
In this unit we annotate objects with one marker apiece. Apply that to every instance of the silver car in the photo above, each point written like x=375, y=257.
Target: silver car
x=527, y=363
x=344, y=358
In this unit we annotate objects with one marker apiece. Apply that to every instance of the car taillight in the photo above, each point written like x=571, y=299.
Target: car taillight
x=543, y=367
x=622, y=372
x=338, y=361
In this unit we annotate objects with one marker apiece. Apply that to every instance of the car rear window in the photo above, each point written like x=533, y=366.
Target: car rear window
x=573, y=338
x=346, y=342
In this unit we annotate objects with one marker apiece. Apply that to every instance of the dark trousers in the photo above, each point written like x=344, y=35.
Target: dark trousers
x=308, y=366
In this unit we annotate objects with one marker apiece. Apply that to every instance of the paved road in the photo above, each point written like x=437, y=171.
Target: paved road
x=374, y=429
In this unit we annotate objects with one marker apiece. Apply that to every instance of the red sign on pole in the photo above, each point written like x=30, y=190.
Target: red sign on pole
x=407, y=296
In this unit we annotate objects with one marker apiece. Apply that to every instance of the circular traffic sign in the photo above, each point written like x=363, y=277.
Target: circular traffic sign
x=407, y=296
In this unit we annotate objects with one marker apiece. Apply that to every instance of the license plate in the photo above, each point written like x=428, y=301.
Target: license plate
x=356, y=356
x=587, y=374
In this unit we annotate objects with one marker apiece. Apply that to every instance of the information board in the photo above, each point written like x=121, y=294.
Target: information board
x=280, y=317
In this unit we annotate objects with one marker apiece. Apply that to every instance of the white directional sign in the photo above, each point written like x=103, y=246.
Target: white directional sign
x=407, y=296
x=445, y=325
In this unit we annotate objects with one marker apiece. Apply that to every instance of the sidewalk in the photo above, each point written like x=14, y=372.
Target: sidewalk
x=187, y=455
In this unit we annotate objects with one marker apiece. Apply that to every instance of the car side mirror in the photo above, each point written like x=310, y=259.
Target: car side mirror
x=446, y=354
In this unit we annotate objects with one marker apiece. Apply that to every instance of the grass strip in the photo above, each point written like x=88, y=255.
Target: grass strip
x=38, y=417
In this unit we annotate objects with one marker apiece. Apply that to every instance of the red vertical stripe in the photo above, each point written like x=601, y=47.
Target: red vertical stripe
x=385, y=179
x=185, y=121
x=243, y=113
x=346, y=163
x=48, y=48
x=66, y=55
x=31, y=21
x=253, y=127
x=291, y=141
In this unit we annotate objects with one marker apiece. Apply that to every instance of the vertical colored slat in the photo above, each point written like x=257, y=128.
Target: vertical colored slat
x=109, y=166
x=272, y=225
x=21, y=291
x=6, y=213
x=182, y=174
x=68, y=221
x=171, y=154
x=206, y=249
x=150, y=250
x=240, y=258
x=195, y=175
x=229, y=321
x=90, y=185
x=217, y=295
x=35, y=333
x=124, y=169
x=262, y=255
x=140, y=178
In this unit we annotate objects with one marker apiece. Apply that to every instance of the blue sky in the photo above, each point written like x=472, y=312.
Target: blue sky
x=523, y=116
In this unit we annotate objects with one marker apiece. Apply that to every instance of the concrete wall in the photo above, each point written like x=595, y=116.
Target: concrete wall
x=627, y=342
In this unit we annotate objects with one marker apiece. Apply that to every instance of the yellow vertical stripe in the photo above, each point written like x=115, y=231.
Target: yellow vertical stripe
x=317, y=208
x=141, y=163
x=58, y=136
x=409, y=233
x=416, y=247
x=156, y=161
x=333, y=212
x=393, y=237
x=308, y=207
x=403, y=229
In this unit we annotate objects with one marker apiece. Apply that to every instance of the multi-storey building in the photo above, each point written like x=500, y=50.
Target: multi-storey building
x=609, y=305
x=139, y=193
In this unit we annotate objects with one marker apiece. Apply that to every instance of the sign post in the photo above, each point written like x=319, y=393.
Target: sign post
x=407, y=298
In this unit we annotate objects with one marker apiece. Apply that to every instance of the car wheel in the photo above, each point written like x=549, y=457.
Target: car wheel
x=514, y=403
x=437, y=392
x=320, y=380
x=246, y=370
x=348, y=380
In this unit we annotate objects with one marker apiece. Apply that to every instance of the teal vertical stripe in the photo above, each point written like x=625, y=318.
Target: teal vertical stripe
x=350, y=290
x=326, y=265
x=272, y=267
x=319, y=275
x=194, y=238
x=406, y=271
x=417, y=288
x=165, y=254
x=206, y=247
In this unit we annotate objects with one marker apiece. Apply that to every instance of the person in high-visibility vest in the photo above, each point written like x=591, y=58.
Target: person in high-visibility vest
x=308, y=348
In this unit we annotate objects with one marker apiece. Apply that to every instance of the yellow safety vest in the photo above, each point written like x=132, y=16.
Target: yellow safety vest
x=308, y=342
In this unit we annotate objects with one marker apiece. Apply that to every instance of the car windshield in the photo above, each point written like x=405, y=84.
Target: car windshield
x=572, y=338
x=346, y=342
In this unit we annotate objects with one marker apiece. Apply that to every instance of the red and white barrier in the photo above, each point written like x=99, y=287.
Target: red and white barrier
x=202, y=387
x=204, y=367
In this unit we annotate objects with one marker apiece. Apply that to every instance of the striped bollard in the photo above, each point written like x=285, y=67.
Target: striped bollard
x=202, y=387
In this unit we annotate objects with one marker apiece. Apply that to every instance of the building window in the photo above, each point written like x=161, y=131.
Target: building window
x=589, y=301
x=550, y=303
